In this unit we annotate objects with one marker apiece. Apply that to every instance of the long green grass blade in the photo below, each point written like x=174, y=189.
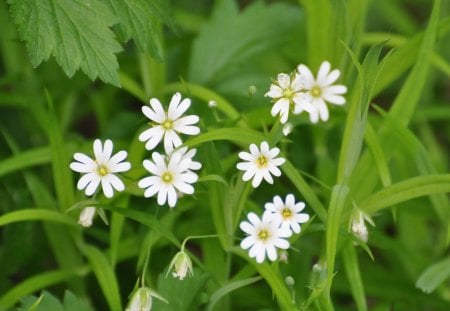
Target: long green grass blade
x=352, y=270
x=36, y=214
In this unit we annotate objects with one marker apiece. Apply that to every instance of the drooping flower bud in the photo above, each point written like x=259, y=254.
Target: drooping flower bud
x=358, y=226
x=141, y=300
x=181, y=265
x=87, y=216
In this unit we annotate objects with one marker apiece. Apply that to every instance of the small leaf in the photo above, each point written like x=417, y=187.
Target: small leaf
x=434, y=276
x=75, y=32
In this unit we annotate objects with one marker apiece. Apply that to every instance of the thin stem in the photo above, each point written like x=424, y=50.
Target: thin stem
x=197, y=237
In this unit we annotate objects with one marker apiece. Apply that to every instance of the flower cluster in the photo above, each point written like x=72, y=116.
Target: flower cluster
x=171, y=172
x=279, y=221
x=300, y=92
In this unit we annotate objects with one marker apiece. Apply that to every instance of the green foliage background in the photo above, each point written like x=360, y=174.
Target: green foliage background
x=75, y=70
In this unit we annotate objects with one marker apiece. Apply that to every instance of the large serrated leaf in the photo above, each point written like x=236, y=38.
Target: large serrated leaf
x=75, y=32
x=138, y=19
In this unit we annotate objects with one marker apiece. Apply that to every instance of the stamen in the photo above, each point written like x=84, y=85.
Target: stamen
x=316, y=91
x=264, y=235
x=286, y=213
x=262, y=161
x=102, y=170
x=167, y=177
x=167, y=124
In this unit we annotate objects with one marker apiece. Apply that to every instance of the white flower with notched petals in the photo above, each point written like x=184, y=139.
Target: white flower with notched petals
x=169, y=174
x=321, y=90
x=287, y=94
x=287, y=214
x=261, y=163
x=264, y=237
x=102, y=169
x=186, y=153
x=167, y=125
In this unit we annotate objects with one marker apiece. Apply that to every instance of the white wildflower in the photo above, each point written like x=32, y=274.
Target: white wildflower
x=321, y=90
x=182, y=265
x=169, y=174
x=287, y=95
x=142, y=300
x=167, y=125
x=287, y=214
x=358, y=225
x=102, y=169
x=264, y=237
x=261, y=163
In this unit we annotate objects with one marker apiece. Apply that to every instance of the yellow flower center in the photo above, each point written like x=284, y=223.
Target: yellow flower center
x=262, y=161
x=167, y=124
x=288, y=93
x=316, y=91
x=102, y=170
x=167, y=177
x=286, y=213
x=263, y=235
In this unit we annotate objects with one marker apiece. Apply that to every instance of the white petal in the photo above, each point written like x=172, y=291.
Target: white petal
x=332, y=77
x=159, y=161
x=93, y=185
x=264, y=147
x=82, y=168
x=118, y=157
x=273, y=152
x=115, y=182
x=247, y=227
x=148, y=181
x=162, y=195
x=298, y=83
x=247, y=242
x=334, y=99
x=256, y=249
x=160, y=114
x=281, y=243
x=268, y=177
x=323, y=72
x=274, y=92
x=277, y=161
x=185, y=121
x=120, y=167
x=278, y=202
x=299, y=206
x=81, y=157
x=98, y=149
x=107, y=150
x=150, y=191
x=173, y=106
x=85, y=180
x=336, y=89
x=181, y=108
x=253, y=218
x=302, y=218
x=184, y=187
x=152, y=115
x=171, y=141
x=261, y=255
x=254, y=150
x=271, y=252
x=295, y=227
x=172, y=196
x=275, y=171
x=290, y=200
x=308, y=78
x=323, y=110
x=107, y=189
x=153, y=136
x=314, y=116
x=269, y=207
x=284, y=80
x=257, y=180
x=245, y=156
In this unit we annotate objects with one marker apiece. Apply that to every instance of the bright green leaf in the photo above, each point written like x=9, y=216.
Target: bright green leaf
x=434, y=276
x=75, y=32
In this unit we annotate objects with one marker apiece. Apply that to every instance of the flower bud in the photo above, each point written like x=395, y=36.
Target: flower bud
x=181, y=265
x=141, y=300
x=287, y=129
x=87, y=216
x=212, y=103
x=358, y=225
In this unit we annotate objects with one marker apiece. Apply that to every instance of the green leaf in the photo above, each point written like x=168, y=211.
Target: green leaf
x=434, y=276
x=46, y=302
x=105, y=276
x=232, y=37
x=406, y=190
x=36, y=283
x=36, y=214
x=351, y=265
x=238, y=135
x=180, y=294
x=73, y=303
x=75, y=32
x=25, y=159
x=138, y=19
x=225, y=290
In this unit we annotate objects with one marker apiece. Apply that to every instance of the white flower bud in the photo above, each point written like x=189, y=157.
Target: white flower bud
x=181, y=265
x=87, y=216
x=287, y=129
x=141, y=300
x=358, y=226
x=212, y=104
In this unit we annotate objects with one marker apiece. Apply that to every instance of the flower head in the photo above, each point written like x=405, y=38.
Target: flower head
x=182, y=265
x=287, y=214
x=358, y=225
x=102, y=169
x=287, y=94
x=261, y=163
x=87, y=216
x=264, y=237
x=321, y=90
x=169, y=174
x=167, y=125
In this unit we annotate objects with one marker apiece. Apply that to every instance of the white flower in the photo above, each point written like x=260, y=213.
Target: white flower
x=321, y=90
x=87, y=216
x=286, y=214
x=182, y=265
x=168, y=125
x=169, y=174
x=261, y=163
x=101, y=170
x=287, y=94
x=264, y=236
x=186, y=153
